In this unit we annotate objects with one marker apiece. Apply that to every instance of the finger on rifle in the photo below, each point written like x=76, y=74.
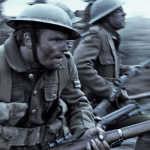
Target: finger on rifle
x=106, y=146
x=101, y=133
x=97, y=118
x=88, y=146
x=95, y=131
x=96, y=145
x=101, y=126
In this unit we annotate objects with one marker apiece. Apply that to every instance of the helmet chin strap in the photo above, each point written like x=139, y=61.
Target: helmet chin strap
x=34, y=47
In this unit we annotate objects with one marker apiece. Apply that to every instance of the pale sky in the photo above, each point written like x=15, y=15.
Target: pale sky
x=133, y=8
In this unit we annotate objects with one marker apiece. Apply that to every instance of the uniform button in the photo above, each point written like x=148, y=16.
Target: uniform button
x=35, y=92
x=54, y=95
x=108, y=62
x=31, y=76
x=33, y=111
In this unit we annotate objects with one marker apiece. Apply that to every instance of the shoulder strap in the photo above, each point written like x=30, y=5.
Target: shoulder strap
x=115, y=56
x=62, y=77
x=64, y=72
x=5, y=78
x=113, y=49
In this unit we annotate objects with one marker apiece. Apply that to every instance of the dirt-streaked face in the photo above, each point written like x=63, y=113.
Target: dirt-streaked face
x=116, y=19
x=51, y=48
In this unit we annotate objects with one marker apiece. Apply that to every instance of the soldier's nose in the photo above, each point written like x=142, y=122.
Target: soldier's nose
x=65, y=47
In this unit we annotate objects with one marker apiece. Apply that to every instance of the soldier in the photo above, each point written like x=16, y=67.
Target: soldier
x=99, y=65
x=5, y=31
x=40, y=85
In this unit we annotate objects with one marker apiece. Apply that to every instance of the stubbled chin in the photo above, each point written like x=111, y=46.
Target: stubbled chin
x=58, y=60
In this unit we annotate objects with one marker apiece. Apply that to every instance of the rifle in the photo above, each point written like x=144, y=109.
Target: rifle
x=141, y=95
x=111, y=137
x=118, y=85
x=130, y=108
x=129, y=111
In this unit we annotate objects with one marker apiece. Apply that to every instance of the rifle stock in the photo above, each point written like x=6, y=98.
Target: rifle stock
x=111, y=136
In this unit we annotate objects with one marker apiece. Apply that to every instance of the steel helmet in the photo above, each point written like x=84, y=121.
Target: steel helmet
x=89, y=1
x=47, y=14
x=101, y=8
x=37, y=2
x=68, y=11
x=2, y=1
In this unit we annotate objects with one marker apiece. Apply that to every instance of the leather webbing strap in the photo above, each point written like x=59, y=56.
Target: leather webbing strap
x=5, y=77
x=27, y=137
x=115, y=56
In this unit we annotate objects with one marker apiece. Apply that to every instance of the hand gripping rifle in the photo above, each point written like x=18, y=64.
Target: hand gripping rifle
x=128, y=111
x=118, y=85
x=111, y=137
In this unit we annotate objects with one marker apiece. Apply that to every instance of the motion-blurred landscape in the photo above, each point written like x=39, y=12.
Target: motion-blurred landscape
x=135, y=48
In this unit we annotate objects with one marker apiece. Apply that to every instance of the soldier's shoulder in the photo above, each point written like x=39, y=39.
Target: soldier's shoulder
x=92, y=31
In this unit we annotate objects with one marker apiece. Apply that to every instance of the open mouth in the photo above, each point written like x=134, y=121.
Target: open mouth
x=59, y=58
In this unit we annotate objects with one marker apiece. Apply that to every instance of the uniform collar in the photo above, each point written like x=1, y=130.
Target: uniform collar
x=61, y=66
x=13, y=55
x=113, y=33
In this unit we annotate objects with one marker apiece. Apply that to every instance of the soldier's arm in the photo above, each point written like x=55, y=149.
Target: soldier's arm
x=85, y=55
x=80, y=113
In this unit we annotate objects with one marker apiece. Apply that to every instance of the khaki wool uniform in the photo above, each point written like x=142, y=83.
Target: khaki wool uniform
x=98, y=64
x=49, y=95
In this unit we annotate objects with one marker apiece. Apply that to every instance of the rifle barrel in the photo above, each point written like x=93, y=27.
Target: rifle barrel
x=106, y=120
x=111, y=136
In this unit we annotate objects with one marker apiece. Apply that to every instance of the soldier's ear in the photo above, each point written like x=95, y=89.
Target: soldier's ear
x=27, y=40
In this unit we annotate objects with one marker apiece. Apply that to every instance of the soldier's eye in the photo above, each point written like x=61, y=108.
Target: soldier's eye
x=118, y=11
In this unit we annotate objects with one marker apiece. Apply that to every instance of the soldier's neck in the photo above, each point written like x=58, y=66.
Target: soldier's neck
x=109, y=28
x=27, y=56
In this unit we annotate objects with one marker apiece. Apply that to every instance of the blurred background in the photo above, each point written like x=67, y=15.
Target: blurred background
x=134, y=48
x=134, y=8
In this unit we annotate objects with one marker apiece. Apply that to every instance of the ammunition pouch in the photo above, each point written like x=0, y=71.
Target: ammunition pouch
x=14, y=136
x=12, y=112
x=7, y=135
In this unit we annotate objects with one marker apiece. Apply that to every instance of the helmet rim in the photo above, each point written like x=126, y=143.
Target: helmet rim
x=28, y=16
x=108, y=11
